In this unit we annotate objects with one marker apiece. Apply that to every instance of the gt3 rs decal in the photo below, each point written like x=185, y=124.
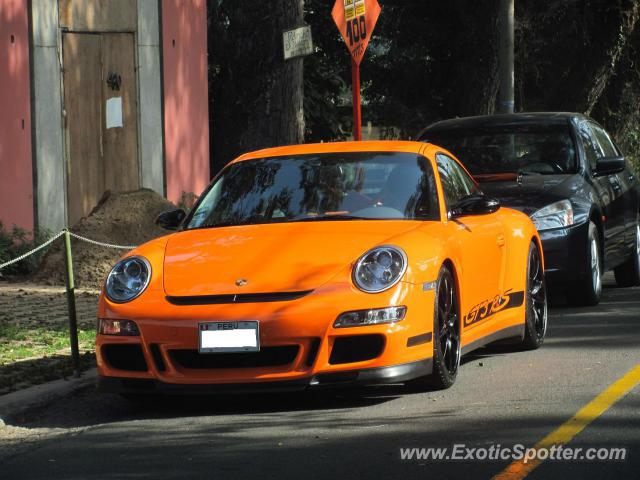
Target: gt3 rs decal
x=491, y=307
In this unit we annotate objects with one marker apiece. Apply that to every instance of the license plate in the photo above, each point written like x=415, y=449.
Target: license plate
x=226, y=337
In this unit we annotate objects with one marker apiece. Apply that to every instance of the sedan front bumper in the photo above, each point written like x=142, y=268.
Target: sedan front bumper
x=566, y=254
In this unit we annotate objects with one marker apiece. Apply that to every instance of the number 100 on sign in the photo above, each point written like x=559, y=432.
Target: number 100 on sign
x=354, y=13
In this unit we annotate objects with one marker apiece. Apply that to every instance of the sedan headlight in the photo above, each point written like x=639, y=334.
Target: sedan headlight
x=556, y=215
x=380, y=269
x=128, y=279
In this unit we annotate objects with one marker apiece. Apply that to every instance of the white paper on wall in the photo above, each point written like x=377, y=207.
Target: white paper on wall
x=114, y=112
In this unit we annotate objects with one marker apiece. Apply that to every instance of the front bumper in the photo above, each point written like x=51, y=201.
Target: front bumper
x=353, y=378
x=299, y=346
x=566, y=255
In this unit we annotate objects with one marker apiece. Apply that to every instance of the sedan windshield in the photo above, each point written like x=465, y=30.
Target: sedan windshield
x=533, y=149
x=321, y=187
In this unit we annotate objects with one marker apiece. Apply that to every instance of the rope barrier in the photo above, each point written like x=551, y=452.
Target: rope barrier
x=58, y=235
x=31, y=252
x=101, y=244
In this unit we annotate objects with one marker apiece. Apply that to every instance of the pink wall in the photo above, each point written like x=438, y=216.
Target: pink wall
x=16, y=185
x=186, y=112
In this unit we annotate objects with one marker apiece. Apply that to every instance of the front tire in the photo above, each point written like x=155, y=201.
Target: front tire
x=446, y=335
x=628, y=274
x=587, y=292
x=535, y=302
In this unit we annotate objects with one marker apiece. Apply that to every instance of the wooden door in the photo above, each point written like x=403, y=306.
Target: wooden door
x=101, y=128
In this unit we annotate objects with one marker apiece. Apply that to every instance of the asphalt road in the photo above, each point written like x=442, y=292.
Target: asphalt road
x=505, y=398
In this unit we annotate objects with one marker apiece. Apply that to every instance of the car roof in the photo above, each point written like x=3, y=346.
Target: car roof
x=337, y=147
x=533, y=118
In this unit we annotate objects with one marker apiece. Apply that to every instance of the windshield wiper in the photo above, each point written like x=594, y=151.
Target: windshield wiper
x=329, y=217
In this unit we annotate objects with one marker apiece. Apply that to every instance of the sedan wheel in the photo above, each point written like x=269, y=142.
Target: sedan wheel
x=588, y=290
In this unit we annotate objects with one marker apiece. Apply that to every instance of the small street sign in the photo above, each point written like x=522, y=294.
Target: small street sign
x=356, y=20
x=297, y=42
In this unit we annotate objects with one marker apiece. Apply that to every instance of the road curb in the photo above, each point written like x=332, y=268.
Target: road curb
x=39, y=396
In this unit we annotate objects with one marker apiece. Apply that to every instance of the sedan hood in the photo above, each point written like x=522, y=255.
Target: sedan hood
x=533, y=192
x=286, y=257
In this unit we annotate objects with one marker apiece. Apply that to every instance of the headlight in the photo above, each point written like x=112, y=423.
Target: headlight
x=556, y=215
x=379, y=269
x=375, y=316
x=128, y=279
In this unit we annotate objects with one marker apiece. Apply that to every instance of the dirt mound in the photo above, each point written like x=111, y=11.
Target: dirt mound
x=119, y=218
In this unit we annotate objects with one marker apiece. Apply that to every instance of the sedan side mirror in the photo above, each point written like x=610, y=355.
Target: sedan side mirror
x=610, y=165
x=171, y=220
x=475, y=205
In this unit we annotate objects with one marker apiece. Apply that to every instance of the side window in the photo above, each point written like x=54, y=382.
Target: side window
x=604, y=141
x=591, y=148
x=456, y=183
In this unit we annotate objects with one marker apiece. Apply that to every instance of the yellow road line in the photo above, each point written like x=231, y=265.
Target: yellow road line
x=565, y=433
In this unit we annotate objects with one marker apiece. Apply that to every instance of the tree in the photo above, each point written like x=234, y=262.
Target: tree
x=257, y=96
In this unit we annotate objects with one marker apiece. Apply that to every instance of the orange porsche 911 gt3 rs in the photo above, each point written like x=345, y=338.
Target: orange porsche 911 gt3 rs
x=314, y=265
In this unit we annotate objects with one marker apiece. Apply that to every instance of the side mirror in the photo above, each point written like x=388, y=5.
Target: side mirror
x=610, y=165
x=171, y=220
x=475, y=205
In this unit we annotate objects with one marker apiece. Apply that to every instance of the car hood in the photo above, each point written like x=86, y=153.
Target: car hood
x=533, y=192
x=286, y=257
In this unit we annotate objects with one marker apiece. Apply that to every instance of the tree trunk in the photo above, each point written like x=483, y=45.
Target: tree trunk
x=278, y=117
x=257, y=97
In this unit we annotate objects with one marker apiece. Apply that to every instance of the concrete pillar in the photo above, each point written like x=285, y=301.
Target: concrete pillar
x=49, y=149
x=150, y=96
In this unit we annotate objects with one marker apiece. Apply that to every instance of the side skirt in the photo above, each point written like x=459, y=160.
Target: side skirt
x=517, y=331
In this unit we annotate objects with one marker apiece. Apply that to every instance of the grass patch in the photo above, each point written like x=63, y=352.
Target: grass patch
x=20, y=344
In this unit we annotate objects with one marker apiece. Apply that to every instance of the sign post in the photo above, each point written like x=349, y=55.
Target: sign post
x=356, y=20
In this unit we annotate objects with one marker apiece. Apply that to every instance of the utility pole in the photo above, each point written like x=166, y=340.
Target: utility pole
x=506, y=101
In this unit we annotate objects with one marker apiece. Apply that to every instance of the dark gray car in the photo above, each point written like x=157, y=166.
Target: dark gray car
x=564, y=171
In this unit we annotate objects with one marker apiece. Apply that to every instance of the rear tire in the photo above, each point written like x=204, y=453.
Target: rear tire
x=446, y=335
x=628, y=274
x=535, y=327
x=587, y=291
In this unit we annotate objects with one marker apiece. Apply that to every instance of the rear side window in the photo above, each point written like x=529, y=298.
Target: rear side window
x=456, y=183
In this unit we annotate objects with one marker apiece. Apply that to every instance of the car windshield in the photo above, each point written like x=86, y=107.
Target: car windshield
x=533, y=149
x=321, y=187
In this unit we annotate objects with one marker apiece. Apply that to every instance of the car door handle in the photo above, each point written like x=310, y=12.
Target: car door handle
x=631, y=177
x=500, y=240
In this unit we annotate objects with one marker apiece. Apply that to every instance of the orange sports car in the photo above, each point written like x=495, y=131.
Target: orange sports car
x=314, y=265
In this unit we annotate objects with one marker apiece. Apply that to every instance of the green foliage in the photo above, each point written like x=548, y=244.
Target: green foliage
x=326, y=73
x=633, y=150
x=429, y=60
x=16, y=242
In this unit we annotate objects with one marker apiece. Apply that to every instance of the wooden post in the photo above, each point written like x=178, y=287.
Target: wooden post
x=71, y=306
